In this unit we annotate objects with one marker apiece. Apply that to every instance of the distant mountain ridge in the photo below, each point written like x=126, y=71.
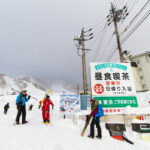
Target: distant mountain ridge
x=56, y=84
x=7, y=83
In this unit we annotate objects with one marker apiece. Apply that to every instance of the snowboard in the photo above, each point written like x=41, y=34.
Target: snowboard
x=89, y=120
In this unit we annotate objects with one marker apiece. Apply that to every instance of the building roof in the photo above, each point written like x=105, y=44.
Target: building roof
x=141, y=54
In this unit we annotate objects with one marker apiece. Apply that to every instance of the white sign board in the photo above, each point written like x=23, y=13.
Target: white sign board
x=112, y=79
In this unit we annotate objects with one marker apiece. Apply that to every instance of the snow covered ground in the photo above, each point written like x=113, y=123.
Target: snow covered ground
x=61, y=135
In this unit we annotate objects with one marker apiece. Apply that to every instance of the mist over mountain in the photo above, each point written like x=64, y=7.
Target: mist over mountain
x=61, y=84
x=55, y=84
x=7, y=83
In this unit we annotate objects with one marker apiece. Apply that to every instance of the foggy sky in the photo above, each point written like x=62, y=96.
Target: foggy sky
x=36, y=36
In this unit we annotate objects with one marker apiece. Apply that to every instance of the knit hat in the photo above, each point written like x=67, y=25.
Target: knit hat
x=92, y=100
x=47, y=96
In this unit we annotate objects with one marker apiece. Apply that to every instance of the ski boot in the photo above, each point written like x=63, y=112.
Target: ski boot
x=17, y=122
x=24, y=122
x=44, y=121
x=98, y=137
x=48, y=121
x=92, y=137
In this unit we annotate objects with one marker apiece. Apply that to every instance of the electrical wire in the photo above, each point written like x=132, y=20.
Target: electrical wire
x=100, y=43
x=135, y=18
x=112, y=54
x=136, y=27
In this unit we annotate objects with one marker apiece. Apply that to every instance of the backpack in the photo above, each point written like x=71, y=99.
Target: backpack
x=100, y=111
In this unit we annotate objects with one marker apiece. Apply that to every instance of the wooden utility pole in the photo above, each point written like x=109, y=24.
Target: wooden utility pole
x=77, y=89
x=81, y=40
x=115, y=16
x=84, y=63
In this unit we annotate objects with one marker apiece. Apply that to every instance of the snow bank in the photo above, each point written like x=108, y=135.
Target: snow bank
x=143, y=99
x=61, y=135
x=138, y=111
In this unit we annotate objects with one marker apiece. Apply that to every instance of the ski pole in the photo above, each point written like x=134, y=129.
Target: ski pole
x=51, y=117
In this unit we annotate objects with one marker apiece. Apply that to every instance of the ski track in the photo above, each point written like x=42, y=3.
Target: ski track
x=61, y=135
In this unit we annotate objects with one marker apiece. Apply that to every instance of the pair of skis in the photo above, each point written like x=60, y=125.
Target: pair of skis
x=19, y=92
x=41, y=102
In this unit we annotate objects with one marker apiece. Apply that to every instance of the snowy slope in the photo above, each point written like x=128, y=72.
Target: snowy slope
x=61, y=135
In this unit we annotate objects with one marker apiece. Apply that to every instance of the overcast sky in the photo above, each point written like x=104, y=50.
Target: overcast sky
x=36, y=36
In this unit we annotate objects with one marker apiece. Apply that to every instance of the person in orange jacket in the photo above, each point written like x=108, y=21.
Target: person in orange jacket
x=46, y=109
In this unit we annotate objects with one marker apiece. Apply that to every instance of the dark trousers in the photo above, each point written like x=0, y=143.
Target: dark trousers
x=21, y=110
x=93, y=122
x=5, y=111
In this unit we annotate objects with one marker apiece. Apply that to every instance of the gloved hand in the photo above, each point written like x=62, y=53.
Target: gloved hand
x=29, y=96
x=52, y=107
x=39, y=106
x=19, y=105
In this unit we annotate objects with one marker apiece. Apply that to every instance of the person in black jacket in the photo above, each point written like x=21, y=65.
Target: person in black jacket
x=6, y=107
x=30, y=107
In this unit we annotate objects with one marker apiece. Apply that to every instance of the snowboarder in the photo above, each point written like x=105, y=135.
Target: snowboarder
x=96, y=114
x=6, y=107
x=46, y=109
x=30, y=107
x=21, y=106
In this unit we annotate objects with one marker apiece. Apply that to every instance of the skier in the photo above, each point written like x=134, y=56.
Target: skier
x=21, y=106
x=6, y=107
x=96, y=114
x=46, y=109
x=30, y=107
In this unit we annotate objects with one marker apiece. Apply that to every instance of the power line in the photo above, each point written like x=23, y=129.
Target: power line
x=131, y=32
x=130, y=9
x=112, y=54
x=107, y=45
x=136, y=27
x=99, y=24
x=132, y=5
x=100, y=43
x=135, y=17
x=97, y=35
x=119, y=3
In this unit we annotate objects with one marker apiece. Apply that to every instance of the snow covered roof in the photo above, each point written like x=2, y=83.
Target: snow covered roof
x=141, y=54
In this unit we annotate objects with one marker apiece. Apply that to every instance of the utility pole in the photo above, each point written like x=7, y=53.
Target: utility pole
x=84, y=63
x=81, y=43
x=116, y=15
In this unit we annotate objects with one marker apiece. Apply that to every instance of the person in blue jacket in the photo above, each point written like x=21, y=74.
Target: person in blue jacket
x=21, y=106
